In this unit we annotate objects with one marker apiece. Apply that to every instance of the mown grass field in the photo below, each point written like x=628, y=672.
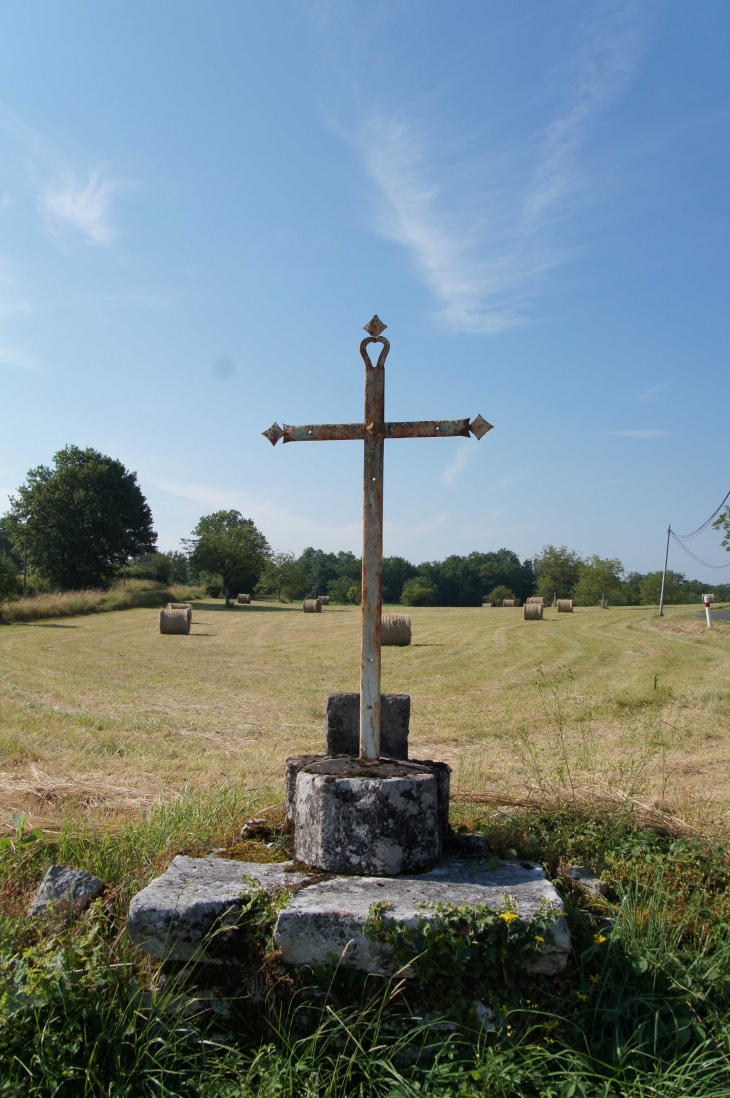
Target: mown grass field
x=104, y=714
x=129, y=747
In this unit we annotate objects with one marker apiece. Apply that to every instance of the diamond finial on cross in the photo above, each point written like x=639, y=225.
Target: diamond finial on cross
x=375, y=327
x=273, y=434
x=479, y=427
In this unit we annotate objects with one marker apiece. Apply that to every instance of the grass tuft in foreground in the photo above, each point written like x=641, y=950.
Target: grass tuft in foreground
x=642, y=1010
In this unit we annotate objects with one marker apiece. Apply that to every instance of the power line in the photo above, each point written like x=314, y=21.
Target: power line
x=694, y=555
x=687, y=537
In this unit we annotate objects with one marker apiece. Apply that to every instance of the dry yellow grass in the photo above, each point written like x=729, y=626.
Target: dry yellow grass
x=104, y=713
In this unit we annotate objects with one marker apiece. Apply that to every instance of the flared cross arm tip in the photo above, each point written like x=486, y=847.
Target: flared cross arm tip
x=273, y=434
x=479, y=427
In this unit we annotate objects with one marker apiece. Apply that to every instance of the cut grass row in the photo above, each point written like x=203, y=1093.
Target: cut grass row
x=105, y=714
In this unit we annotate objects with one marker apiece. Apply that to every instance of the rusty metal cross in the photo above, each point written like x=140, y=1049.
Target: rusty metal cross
x=373, y=432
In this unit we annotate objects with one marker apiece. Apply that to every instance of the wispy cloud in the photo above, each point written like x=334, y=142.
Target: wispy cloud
x=464, y=456
x=483, y=265
x=17, y=358
x=649, y=394
x=641, y=433
x=285, y=528
x=71, y=205
x=288, y=528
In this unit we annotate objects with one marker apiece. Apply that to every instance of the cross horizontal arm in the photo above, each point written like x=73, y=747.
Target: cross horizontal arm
x=335, y=432
x=428, y=428
x=323, y=432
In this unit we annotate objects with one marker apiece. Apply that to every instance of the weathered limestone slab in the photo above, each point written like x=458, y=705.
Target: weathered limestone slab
x=61, y=885
x=441, y=770
x=173, y=914
x=442, y=773
x=326, y=920
x=376, y=818
x=342, y=725
x=293, y=766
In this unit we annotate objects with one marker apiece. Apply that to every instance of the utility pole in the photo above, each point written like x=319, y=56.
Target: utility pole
x=25, y=561
x=664, y=577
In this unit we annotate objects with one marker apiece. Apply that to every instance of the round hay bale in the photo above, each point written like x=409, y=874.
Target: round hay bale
x=536, y=598
x=312, y=606
x=324, y=599
x=182, y=606
x=533, y=611
x=395, y=630
x=175, y=621
x=509, y=602
x=565, y=606
x=486, y=605
x=244, y=600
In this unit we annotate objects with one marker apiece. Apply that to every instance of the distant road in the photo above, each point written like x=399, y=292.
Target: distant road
x=721, y=615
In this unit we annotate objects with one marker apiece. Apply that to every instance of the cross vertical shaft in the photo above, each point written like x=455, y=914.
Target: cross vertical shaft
x=372, y=551
x=373, y=432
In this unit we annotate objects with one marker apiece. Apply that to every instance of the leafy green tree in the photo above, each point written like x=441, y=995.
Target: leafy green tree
x=462, y=581
x=82, y=519
x=169, y=567
x=599, y=580
x=229, y=545
x=419, y=592
x=7, y=546
x=9, y=585
x=178, y=566
x=632, y=588
x=345, y=590
x=320, y=569
x=557, y=569
x=722, y=522
x=499, y=594
x=283, y=575
x=396, y=570
x=651, y=587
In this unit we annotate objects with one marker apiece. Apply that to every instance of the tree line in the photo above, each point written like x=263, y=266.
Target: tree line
x=84, y=522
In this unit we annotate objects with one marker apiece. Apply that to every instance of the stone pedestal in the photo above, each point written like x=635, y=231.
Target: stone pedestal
x=370, y=818
x=342, y=725
x=196, y=911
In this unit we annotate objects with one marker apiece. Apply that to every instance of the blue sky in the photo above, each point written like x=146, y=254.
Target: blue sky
x=202, y=203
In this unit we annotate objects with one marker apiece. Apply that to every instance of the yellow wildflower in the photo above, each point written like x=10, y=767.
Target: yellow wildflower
x=538, y=938
x=509, y=916
x=583, y=998
x=595, y=979
x=599, y=939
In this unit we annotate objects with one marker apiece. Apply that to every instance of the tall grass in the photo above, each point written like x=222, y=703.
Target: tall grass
x=642, y=1011
x=66, y=604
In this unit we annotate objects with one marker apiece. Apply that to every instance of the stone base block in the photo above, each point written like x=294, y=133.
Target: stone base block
x=325, y=922
x=175, y=916
x=342, y=725
x=371, y=818
x=441, y=771
x=172, y=916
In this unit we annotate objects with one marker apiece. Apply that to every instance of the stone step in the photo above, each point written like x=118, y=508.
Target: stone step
x=174, y=916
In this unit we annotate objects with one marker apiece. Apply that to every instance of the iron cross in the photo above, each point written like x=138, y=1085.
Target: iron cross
x=373, y=432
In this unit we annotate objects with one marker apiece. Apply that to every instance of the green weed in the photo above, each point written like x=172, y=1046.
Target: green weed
x=642, y=1011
